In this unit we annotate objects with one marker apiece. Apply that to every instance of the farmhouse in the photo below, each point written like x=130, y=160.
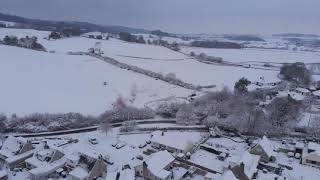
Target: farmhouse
x=14, y=151
x=44, y=163
x=168, y=141
x=311, y=155
x=155, y=168
x=265, y=149
x=244, y=167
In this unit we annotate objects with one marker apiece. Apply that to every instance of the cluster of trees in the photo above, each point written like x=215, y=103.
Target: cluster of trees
x=243, y=38
x=26, y=42
x=43, y=122
x=168, y=109
x=2, y=25
x=240, y=111
x=296, y=73
x=160, y=33
x=159, y=42
x=65, y=32
x=204, y=57
x=122, y=112
x=216, y=44
x=131, y=38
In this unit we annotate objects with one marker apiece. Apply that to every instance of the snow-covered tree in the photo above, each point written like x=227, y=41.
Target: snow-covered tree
x=168, y=109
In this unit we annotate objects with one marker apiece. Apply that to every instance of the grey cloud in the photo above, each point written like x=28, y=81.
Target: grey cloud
x=186, y=16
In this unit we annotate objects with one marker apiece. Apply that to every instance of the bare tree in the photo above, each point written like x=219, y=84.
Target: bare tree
x=106, y=127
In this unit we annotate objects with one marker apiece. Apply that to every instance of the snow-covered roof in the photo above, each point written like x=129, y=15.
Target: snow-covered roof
x=250, y=162
x=179, y=172
x=12, y=145
x=127, y=174
x=18, y=157
x=38, y=159
x=316, y=93
x=158, y=161
x=72, y=157
x=304, y=90
x=314, y=146
x=48, y=168
x=267, y=146
x=228, y=175
x=79, y=172
x=171, y=138
x=111, y=175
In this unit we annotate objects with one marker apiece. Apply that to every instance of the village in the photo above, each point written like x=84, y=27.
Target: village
x=163, y=154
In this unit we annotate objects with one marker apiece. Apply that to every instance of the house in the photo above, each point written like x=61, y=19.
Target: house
x=302, y=91
x=44, y=163
x=88, y=168
x=265, y=150
x=311, y=155
x=14, y=151
x=245, y=166
x=72, y=160
x=168, y=141
x=156, y=166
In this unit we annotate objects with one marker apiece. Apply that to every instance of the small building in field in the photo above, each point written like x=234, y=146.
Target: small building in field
x=156, y=166
x=14, y=151
x=265, y=149
x=311, y=155
x=245, y=166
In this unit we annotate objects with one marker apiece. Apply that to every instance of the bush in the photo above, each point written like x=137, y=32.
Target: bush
x=10, y=40
x=240, y=87
x=54, y=35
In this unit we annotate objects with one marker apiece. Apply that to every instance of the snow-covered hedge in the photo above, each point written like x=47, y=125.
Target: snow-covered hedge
x=169, y=79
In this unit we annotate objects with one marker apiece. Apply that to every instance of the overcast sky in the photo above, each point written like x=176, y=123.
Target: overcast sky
x=181, y=16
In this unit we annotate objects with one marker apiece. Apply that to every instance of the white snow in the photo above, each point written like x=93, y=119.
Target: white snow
x=35, y=81
x=250, y=162
x=158, y=161
x=79, y=172
x=267, y=146
x=185, y=139
x=258, y=55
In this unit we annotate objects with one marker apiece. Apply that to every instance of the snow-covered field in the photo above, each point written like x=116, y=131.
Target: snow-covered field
x=258, y=55
x=57, y=82
x=35, y=81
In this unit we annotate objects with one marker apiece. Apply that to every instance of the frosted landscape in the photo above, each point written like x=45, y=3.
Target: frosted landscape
x=83, y=101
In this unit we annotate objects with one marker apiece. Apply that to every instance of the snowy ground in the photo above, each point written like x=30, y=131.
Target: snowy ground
x=35, y=81
x=55, y=82
x=258, y=55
